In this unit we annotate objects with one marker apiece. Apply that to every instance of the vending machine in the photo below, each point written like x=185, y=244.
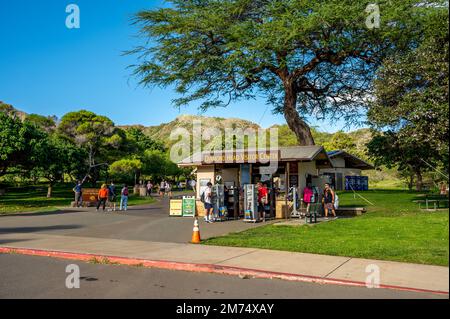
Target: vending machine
x=220, y=210
x=251, y=213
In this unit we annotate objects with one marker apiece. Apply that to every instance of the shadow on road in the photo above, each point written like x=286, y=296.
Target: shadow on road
x=44, y=213
x=37, y=229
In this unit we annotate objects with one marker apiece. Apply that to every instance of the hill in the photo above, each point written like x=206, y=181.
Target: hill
x=353, y=142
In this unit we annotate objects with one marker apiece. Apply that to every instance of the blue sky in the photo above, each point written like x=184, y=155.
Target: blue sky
x=48, y=69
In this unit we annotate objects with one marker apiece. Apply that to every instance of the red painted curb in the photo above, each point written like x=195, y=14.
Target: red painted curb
x=208, y=268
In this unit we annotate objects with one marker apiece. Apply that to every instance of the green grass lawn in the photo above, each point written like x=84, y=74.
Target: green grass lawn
x=34, y=199
x=394, y=229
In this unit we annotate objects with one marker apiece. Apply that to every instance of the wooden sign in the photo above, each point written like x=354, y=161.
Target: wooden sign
x=90, y=194
x=242, y=157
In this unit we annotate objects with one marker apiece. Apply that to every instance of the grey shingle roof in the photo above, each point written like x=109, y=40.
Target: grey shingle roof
x=301, y=153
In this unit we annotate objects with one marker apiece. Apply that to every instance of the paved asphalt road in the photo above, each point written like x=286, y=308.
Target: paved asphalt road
x=147, y=223
x=41, y=277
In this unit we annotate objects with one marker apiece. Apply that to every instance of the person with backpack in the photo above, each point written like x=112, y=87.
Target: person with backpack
x=112, y=197
x=124, y=198
x=102, y=197
x=206, y=199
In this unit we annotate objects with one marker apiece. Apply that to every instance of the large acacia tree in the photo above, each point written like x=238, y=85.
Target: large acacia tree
x=306, y=57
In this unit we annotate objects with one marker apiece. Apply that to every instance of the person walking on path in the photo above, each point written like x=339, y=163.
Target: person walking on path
x=308, y=194
x=102, y=197
x=149, y=188
x=328, y=201
x=206, y=198
x=78, y=190
x=169, y=189
x=263, y=199
x=112, y=197
x=124, y=198
x=193, y=183
x=162, y=188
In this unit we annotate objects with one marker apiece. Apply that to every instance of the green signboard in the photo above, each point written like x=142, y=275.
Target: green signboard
x=188, y=206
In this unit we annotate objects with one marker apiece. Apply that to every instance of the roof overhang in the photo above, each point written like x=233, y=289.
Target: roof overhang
x=253, y=156
x=351, y=161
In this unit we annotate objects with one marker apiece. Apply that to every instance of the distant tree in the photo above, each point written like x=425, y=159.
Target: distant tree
x=340, y=141
x=46, y=123
x=7, y=108
x=19, y=143
x=390, y=150
x=125, y=170
x=411, y=100
x=159, y=166
x=54, y=158
x=305, y=57
x=139, y=142
x=96, y=134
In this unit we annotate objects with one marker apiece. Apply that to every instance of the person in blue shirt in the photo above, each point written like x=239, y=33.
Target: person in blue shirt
x=78, y=190
x=112, y=197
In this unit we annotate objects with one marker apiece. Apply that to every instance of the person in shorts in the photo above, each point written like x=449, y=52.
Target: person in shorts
x=162, y=188
x=78, y=190
x=263, y=199
x=207, y=199
x=112, y=197
x=328, y=201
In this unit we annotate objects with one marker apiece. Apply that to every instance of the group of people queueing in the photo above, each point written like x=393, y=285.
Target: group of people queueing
x=329, y=199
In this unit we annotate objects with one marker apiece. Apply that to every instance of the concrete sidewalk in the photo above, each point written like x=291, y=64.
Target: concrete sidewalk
x=276, y=264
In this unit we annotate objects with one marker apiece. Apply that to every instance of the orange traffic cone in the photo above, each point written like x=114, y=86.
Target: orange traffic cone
x=196, y=233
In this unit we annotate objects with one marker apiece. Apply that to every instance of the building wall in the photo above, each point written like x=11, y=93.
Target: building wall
x=230, y=175
x=338, y=162
x=344, y=171
x=204, y=172
x=305, y=168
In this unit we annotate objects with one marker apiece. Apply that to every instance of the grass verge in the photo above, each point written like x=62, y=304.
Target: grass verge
x=394, y=229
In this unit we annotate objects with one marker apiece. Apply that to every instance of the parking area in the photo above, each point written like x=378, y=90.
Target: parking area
x=147, y=223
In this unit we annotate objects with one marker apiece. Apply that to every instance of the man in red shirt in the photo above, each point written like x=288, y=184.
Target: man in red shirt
x=263, y=198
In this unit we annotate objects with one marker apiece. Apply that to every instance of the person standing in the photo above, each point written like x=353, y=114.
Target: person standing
x=162, y=188
x=328, y=201
x=124, y=198
x=308, y=193
x=263, y=199
x=102, y=197
x=78, y=190
x=149, y=188
x=207, y=200
x=168, y=188
x=193, y=184
x=112, y=197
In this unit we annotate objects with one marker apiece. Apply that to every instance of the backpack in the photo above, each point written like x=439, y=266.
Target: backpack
x=336, y=201
x=125, y=191
x=202, y=197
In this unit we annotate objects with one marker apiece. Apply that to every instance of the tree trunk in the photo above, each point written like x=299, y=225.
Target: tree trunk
x=411, y=182
x=49, y=190
x=419, y=180
x=295, y=123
